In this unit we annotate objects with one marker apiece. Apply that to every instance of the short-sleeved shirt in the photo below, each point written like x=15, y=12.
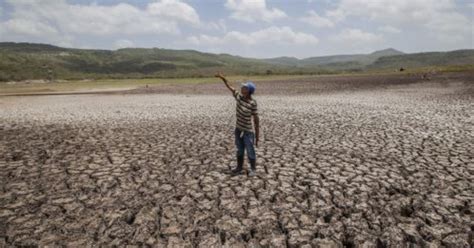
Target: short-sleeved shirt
x=245, y=108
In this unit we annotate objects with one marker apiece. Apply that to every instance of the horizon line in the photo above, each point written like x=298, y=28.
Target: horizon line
x=223, y=53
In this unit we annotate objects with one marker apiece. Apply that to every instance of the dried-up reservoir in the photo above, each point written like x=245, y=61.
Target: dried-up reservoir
x=375, y=161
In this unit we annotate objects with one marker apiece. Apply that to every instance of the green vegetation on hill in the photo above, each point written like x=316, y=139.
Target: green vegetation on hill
x=336, y=61
x=21, y=61
x=458, y=57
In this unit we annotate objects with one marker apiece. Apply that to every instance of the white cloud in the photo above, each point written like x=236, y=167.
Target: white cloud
x=123, y=43
x=43, y=18
x=440, y=21
x=253, y=10
x=174, y=9
x=118, y=19
x=206, y=40
x=28, y=27
x=438, y=16
x=316, y=20
x=219, y=25
x=390, y=29
x=336, y=15
x=355, y=37
x=386, y=9
x=450, y=22
x=271, y=35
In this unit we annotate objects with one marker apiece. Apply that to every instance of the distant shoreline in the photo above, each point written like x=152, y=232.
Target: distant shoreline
x=266, y=85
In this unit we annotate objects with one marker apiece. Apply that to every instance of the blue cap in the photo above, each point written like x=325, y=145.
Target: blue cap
x=250, y=86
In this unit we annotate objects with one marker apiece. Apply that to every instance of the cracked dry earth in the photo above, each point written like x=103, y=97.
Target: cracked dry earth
x=381, y=167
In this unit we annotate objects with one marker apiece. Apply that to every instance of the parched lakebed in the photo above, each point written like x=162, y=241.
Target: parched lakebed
x=369, y=167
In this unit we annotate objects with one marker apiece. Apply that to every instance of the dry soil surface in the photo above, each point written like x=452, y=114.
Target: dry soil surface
x=365, y=162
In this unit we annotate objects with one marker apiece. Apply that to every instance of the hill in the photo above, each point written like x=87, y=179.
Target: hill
x=20, y=61
x=348, y=60
x=458, y=57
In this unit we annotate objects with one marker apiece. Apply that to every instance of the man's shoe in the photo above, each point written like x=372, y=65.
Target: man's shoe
x=236, y=172
x=252, y=164
x=252, y=173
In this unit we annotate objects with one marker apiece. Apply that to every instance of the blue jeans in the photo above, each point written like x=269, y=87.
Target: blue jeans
x=244, y=142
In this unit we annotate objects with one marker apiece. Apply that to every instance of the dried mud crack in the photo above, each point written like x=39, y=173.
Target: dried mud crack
x=371, y=167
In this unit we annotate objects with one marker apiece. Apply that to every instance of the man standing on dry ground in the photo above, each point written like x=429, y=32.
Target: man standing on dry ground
x=246, y=108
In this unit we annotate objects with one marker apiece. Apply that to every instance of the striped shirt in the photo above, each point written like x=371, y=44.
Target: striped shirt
x=245, y=108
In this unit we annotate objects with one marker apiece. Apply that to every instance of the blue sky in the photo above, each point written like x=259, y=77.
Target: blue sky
x=250, y=28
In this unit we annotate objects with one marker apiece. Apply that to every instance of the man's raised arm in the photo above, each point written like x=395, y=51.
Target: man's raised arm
x=219, y=75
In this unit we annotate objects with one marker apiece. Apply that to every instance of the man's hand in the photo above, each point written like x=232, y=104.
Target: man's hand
x=256, y=121
x=219, y=75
